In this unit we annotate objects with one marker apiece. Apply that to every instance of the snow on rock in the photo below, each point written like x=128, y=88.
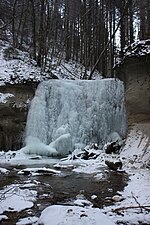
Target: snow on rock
x=4, y=97
x=93, y=197
x=3, y=170
x=28, y=220
x=13, y=198
x=70, y=215
x=64, y=114
x=3, y=217
x=81, y=201
x=138, y=48
x=39, y=171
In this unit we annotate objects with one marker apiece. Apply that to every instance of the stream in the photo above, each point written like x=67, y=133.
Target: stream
x=62, y=188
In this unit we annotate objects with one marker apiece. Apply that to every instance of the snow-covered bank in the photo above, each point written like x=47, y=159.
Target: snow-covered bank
x=135, y=207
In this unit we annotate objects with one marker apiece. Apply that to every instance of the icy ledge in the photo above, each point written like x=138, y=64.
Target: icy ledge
x=69, y=114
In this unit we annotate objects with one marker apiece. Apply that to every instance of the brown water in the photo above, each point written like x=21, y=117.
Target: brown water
x=64, y=188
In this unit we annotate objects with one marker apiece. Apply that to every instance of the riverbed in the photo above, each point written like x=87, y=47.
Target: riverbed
x=62, y=188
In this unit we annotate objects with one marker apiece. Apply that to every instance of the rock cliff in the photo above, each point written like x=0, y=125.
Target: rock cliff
x=13, y=113
x=134, y=70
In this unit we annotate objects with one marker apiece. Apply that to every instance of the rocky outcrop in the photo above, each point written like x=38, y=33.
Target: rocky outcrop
x=13, y=113
x=134, y=70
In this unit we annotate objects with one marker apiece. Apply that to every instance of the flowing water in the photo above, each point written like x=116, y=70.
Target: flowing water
x=63, y=189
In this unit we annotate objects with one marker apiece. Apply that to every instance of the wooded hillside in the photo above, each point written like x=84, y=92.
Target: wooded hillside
x=92, y=32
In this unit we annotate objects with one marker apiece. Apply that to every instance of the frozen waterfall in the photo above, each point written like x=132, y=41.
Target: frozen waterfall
x=65, y=114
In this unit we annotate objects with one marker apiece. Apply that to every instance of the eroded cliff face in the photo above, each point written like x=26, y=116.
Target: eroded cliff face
x=13, y=113
x=135, y=72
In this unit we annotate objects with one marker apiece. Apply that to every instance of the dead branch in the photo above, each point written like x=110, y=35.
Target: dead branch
x=136, y=201
x=146, y=207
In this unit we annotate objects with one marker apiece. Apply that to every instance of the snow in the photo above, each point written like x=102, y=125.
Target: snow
x=17, y=67
x=82, y=202
x=65, y=114
x=39, y=171
x=20, y=158
x=3, y=217
x=138, y=139
x=28, y=220
x=136, y=161
x=138, y=48
x=135, y=158
x=3, y=170
x=136, y=193
x=71, y=70
x=135, y=154
x=4, y=97
x=93, y=197
x=70, y=215
x=15, y=199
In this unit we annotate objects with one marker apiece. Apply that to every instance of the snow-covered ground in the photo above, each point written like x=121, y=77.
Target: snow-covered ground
x=129, y=207
x=16, y=67
x=136, y=160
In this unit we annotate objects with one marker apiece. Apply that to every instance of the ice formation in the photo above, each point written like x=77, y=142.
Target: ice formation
x=69, y=113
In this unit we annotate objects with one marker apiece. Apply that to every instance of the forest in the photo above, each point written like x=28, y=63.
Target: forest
x=91, y=32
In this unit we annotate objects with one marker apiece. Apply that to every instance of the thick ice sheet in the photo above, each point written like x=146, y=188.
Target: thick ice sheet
x=67, y=114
